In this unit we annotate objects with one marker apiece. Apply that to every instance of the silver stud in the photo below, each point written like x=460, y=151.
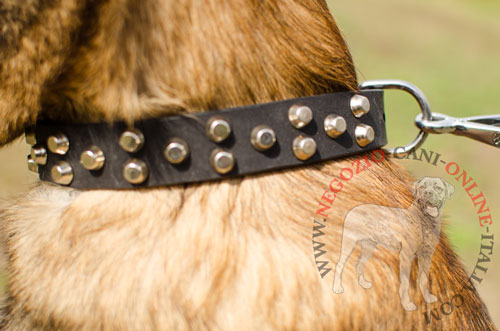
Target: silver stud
x=222, y=161
x=218, y=129
x=132, y=140
x=135, y=171
x=176, y=151
x=39, y=154
x=62, y=173
x=300, y=116
x=262, y=137
x=29, y=136
x=360, y=105
x=32, y=166
x=58, y=144
x=304, y=147
x=92, y=158
x=364, y=134
x=334, y=125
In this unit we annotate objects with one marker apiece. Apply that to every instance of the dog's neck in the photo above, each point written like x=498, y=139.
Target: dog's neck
x=110, y=61
x=156, y=58
x=189, y=56
x=126, y=63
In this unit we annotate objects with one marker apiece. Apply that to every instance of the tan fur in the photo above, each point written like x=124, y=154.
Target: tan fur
x=230, y=255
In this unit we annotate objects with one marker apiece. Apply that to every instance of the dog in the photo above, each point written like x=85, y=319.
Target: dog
x=227, y=255
x=397, y=229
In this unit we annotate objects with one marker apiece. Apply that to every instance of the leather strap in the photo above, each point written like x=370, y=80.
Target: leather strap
x=197, y=168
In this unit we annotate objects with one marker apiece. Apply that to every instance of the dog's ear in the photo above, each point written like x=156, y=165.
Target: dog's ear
x=450, y=189
x=35, y=40
x=415, y=186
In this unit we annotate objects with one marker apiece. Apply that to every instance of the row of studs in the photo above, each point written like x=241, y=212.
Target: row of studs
x=218, y=129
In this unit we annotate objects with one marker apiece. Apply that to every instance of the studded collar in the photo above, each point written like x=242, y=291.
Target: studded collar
x=208, y=146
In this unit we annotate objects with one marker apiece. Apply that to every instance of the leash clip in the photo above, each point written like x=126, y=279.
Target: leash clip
x=485, y=129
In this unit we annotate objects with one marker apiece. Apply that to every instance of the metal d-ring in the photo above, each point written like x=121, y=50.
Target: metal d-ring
x=422, y=102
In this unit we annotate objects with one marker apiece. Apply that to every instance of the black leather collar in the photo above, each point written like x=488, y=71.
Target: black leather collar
x=59, y=161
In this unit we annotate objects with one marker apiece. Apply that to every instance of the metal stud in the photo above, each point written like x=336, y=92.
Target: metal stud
x=222, y=161
x=132, y=140
x=334, y=125
x=360, y=105
x=92, y=158
x=218, y=129
x=135, y=171
x=39, y=154
x=62, y=173
x=176, y=151
x=303, y=147
x=32, y=166
x=299, y=116
x=29, y=136
x=58, y=143
x=262, y=137
x=364, y=134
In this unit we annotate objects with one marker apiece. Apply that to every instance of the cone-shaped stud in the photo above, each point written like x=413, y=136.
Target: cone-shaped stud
x=58, y=143
x=135, y=171
x=262, y=137
x=299, y=116
x=92, y=158
x=364, y=134
x=222, y=161
x=39, y=154
x=32, y=166
x=360, y=105
x=62, y=173
x=218, y=129
x=132, y=140
x=304, y=147
x=29, y=136
x=176, y=151
x=334, y=125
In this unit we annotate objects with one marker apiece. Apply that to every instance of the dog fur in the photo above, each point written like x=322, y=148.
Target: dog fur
x=228, y=255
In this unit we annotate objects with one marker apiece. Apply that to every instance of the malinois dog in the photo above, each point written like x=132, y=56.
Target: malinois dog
x=228, y=255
